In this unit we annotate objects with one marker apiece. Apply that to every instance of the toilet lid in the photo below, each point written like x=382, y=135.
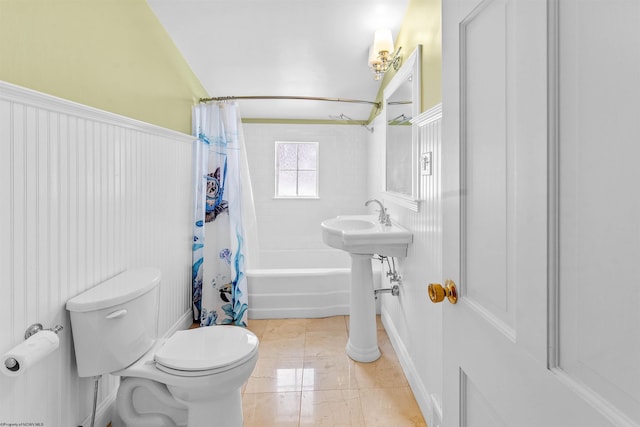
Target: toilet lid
x=207, y=348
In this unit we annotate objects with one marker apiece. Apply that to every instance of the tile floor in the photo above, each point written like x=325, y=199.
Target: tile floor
x=304, y=378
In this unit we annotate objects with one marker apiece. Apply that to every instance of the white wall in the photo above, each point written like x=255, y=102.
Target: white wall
x=412, y=321
x=289, y=229
x=84, y=195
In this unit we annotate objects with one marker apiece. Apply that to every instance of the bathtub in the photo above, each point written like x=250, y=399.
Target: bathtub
x=300, y=284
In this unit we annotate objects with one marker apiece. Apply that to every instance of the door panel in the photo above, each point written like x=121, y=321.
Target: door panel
x=541, y=212
x=487, y=209
x=599, y=206
x=477, y=410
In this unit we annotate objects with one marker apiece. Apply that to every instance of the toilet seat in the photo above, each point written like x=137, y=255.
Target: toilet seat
x=206, y=351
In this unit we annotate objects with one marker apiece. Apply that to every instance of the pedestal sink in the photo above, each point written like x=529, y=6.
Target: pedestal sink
x=363, y=236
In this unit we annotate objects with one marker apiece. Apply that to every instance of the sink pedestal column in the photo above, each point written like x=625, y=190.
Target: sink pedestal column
x=363, y=340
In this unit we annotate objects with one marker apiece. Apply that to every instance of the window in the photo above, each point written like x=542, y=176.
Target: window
x=296, y=169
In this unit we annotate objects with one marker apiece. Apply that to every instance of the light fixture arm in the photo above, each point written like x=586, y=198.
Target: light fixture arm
x=386, y=62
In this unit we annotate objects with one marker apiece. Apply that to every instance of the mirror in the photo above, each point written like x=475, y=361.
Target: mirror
x=401, y=105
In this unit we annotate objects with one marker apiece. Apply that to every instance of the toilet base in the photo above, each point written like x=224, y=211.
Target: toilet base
x=146, y=403
x=183, y=401
x=142, y=402
x=225, y=410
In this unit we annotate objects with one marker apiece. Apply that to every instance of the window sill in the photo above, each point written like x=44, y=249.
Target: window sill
x=296, y=198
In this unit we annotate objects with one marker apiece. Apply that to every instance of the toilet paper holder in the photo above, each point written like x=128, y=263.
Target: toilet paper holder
x=37, y=327
x=11, y=363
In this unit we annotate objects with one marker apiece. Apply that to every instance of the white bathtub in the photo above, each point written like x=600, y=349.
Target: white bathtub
x=300, y=284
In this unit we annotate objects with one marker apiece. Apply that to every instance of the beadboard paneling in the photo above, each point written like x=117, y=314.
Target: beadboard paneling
x=414, y=324
x=84, y=195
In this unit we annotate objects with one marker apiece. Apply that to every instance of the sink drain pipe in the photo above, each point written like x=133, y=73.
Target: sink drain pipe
x=394, y=290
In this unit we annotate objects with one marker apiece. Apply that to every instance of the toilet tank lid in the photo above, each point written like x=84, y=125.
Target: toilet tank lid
x=117, y=290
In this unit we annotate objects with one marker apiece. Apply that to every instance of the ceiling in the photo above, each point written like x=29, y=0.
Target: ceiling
x=301, y=48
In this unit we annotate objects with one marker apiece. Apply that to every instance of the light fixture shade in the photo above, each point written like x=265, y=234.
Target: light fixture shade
x=383, y=41
x=374, y=59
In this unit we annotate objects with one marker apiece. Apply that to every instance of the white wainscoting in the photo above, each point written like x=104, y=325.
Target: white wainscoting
x=412, y=322
x=84, y=195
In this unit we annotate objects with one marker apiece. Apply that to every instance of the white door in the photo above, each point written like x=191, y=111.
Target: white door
x=541, y=191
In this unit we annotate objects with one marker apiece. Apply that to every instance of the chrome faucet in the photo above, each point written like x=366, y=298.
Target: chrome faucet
x=383, y=218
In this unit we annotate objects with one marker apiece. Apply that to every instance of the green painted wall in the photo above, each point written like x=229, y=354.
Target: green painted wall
x=110, y=54
x=422, y=24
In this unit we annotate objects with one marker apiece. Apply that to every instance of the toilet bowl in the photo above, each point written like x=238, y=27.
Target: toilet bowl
x=193, y=378
x=204, y=382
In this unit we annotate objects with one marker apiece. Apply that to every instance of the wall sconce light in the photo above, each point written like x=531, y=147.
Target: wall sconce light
x=381, y=55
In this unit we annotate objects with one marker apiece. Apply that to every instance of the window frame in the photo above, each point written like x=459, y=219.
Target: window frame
x=277, y=170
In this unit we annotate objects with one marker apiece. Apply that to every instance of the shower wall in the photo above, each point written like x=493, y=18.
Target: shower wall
x=289, y=229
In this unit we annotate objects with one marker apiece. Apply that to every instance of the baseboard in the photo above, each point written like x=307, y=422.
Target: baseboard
x=298, y=313
x=430, y=409
x=103, y=411
x=106, y=409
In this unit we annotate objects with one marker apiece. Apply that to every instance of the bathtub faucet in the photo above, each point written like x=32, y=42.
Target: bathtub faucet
x=384, y=216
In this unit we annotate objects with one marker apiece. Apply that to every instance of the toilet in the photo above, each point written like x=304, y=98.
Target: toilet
x=193, y=378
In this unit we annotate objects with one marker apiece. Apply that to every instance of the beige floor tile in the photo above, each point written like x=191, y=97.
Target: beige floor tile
x=335, y=323
x=387, y=407
x=384, y=344
x=276, y=375
x=325, y=344
x=271, y=409
x=382, y=333
x=329, y=373
x=379, y=325
x=384, y=372
x=283, y=328
x=331, y=408
x=288, y=346
x=257, y=326
x=308, y=357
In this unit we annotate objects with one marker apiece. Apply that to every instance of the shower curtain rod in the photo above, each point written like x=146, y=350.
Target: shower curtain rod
x=308, y=98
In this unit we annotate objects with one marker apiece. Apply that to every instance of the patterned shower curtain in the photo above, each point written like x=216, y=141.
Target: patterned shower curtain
x=219, y=282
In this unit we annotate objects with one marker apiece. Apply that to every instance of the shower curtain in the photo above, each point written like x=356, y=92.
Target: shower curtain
x=219, y=281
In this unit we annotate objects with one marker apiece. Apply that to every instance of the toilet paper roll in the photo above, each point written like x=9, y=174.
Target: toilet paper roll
x=28, y=353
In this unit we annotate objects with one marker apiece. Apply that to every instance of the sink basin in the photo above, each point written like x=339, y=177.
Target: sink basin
x=347, y=224
x=363, y=234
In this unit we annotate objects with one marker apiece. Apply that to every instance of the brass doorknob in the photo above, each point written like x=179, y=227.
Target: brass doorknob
x=437, y=293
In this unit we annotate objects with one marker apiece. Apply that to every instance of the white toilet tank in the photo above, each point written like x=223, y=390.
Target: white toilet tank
x=115, y=322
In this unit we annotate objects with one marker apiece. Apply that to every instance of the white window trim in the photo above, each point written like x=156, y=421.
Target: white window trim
x=277, y=170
